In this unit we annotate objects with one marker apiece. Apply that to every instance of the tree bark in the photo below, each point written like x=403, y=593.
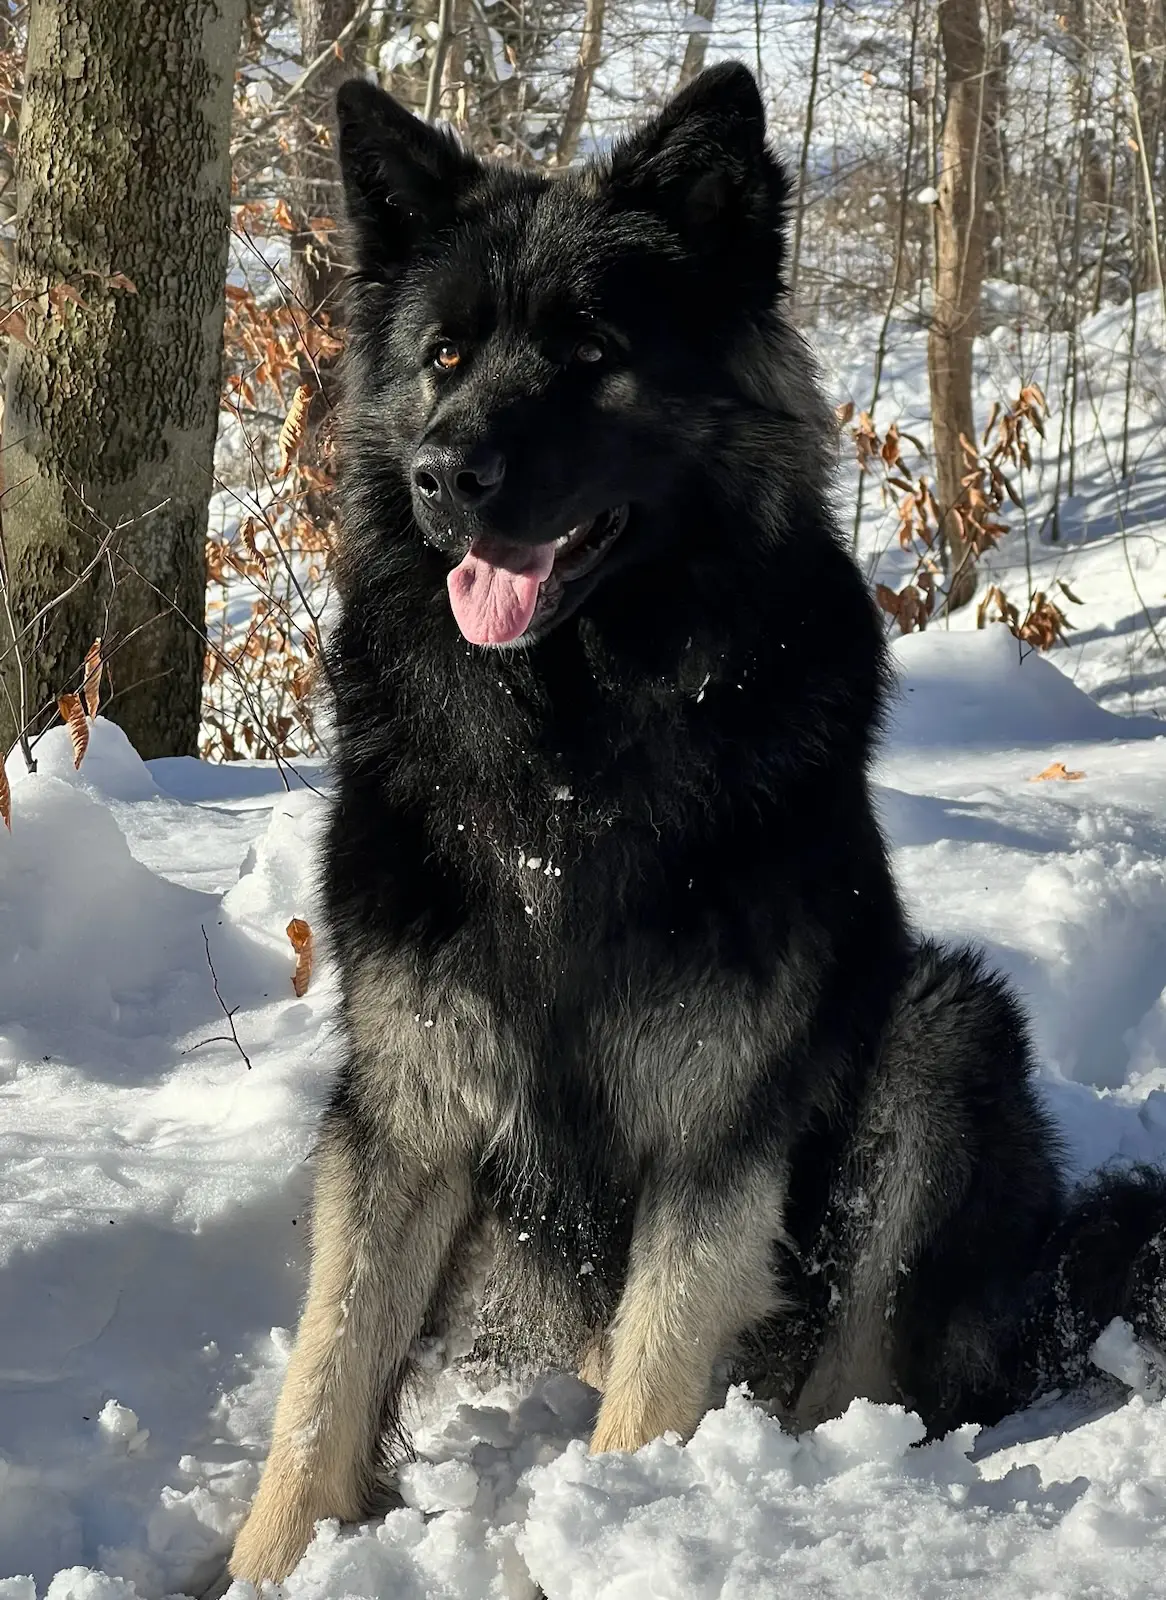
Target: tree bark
x=316, y=269
x=698, y=43
x=590, y=50
x=959, y=272
x=122, y=168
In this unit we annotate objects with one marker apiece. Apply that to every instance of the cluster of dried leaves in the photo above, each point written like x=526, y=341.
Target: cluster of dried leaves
x=1041, y=626
x=268, y=575
x=917, y=510
x=987, y=486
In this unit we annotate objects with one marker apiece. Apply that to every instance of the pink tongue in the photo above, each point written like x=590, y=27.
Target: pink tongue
x=494, y=589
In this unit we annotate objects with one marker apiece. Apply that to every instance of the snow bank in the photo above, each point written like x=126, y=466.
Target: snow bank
x=988, y=689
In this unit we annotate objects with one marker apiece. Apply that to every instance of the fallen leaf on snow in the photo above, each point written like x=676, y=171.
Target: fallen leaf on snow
x=1057, y=770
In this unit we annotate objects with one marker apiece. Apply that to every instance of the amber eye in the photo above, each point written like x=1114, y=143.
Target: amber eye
x=447, y=357
x=591, y=349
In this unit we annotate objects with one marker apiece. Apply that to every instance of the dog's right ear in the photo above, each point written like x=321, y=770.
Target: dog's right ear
x=402, y=176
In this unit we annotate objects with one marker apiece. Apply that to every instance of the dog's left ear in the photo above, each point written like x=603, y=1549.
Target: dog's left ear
x=402, y=176
x=703, y=164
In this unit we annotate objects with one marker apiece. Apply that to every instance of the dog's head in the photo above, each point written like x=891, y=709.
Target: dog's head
x=543, y=360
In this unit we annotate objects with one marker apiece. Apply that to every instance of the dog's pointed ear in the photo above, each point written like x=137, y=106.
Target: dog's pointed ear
x=704, y=166
x=402, y=176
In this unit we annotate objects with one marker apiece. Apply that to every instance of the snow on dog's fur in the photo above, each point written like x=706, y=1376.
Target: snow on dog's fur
x=629, y=997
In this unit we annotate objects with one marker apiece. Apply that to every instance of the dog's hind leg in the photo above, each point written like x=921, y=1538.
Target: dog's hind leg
x=382, y=1233
x=700, y=1273
x=945, y=1194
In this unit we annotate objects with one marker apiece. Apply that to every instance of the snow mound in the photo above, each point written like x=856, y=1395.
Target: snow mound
x=277, y=877
x=111, y=766
x=96, y=944
x=858, y=1508
x=986, y=688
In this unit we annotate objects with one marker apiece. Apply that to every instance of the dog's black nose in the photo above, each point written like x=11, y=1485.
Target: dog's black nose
x=450, y=479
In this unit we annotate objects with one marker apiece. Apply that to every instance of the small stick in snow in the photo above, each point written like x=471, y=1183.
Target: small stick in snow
x=220, y=1038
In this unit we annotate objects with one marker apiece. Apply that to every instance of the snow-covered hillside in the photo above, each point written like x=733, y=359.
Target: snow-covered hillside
x=152, y=1186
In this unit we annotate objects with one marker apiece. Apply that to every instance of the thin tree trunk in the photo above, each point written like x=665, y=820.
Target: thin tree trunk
x=1144, y=156
x=807, y=135
x=590, y=49
x=959, y=270
x=900, y=252
x=698, y=43
x=122, y=168
x=1107, y=216
x=316, y=268
x=436, y=66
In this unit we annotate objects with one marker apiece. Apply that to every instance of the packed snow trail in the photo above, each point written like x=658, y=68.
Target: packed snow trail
x=153, y=1184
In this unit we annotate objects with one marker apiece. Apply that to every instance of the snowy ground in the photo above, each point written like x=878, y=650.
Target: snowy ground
x=152, y=1189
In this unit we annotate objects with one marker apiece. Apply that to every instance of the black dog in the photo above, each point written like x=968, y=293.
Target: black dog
x=629, y=996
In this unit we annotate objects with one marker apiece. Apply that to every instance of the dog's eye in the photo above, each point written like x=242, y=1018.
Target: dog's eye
x=446, y=357
x=590, y=349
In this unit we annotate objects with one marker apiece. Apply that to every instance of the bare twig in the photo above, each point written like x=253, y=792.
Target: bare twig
x=228, y=1011
x=313, y=70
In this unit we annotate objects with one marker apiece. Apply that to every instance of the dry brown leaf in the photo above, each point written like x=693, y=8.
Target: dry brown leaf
x=93, y=666
x=118, y=280
x=282, y=217
x=300, y=935
x=73, y=713
x=60, y=292
x=5, y=798
x=291, y=435
x=14, y=325
x=844, y=412
x=1056, y=772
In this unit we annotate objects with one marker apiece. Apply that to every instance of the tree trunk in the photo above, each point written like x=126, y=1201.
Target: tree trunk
x=316, y=270
x=959, y=271
x=698, y=43
x=590, y=49
x=807, y=136
x=122, y=168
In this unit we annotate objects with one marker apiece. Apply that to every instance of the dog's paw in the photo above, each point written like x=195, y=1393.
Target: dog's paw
x=272, y=1540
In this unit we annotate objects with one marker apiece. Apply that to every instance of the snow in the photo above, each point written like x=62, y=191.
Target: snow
x=153, y=1185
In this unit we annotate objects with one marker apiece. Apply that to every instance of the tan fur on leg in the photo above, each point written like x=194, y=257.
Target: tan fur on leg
x=593, y=1365
x=700, y=1273
x=378, y=1248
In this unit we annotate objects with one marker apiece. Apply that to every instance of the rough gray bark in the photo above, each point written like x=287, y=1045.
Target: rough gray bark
x=122, y=167
x=959, y=273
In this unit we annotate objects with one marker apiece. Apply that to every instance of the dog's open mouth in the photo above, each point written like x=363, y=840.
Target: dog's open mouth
x=500, y=587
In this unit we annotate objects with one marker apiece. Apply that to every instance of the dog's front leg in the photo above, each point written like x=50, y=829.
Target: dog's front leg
x=700, y=1273
x=382, y=1232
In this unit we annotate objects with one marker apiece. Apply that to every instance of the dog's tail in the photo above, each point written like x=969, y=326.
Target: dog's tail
x=1106, y=1259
